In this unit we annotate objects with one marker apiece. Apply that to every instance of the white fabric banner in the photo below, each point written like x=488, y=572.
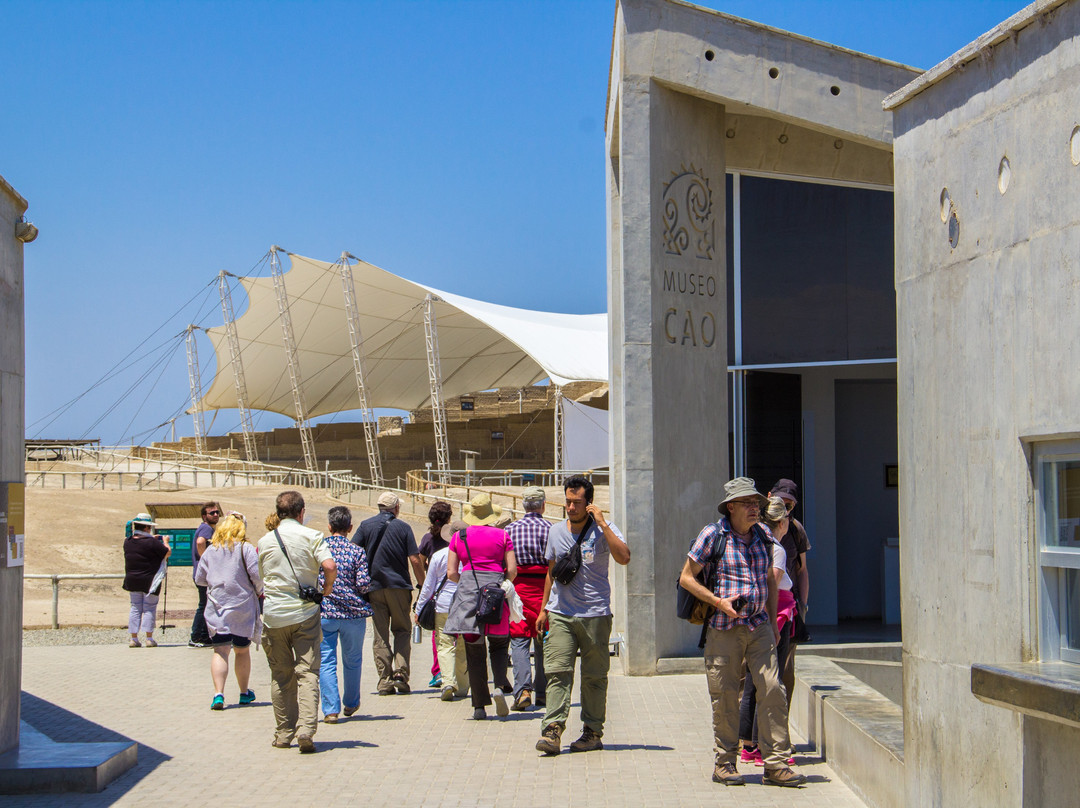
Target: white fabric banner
x=586, y=436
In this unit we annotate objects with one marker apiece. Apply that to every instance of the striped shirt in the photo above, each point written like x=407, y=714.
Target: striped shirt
x=529, y=535
x=346, y=600
x=744, y=570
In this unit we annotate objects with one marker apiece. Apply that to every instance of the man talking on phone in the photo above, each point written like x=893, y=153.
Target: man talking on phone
x=742, y=631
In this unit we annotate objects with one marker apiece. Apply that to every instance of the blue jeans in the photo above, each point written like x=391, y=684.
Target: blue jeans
x=351, y=633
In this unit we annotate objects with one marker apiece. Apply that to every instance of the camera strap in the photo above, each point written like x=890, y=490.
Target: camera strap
x=281, y=544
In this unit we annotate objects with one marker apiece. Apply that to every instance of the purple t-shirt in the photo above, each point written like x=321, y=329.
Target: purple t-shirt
x=488, y=545
x=205, y=531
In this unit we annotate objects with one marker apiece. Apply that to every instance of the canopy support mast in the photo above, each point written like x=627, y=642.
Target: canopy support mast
x=352, y=314
x=195, y=382
x=251, y=453
x=560, y=430
x=295, y=378
x=438, y=409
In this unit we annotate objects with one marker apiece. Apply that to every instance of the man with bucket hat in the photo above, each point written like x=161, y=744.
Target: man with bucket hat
x=391, y=549
x=742, y=631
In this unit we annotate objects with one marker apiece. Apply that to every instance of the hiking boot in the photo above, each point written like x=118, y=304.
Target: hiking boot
x=727, y=774
x=447, y=694
x=501, y=709
x=350, y=710
x=401, y=684
x=522, y=702
x=588, y=742
x=550, y=740
x=306, y=744
x=782, y=777
x=330, y=718
x=280, y=744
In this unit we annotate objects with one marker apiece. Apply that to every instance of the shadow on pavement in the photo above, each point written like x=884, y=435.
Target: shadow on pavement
x=646, y=747
x=63, y=726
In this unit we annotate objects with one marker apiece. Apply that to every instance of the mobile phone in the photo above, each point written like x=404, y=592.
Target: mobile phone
x=739, y=603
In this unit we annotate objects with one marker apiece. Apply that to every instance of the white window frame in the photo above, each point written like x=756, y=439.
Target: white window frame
x=1051, y=560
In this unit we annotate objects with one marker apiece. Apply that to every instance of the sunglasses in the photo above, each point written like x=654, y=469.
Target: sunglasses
x=213, y=513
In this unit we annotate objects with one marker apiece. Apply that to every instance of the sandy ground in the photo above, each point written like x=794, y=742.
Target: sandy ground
x=77, y=531
x=83, y=532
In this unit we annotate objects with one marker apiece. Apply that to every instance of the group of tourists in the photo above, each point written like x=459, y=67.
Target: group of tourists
x=491, y=590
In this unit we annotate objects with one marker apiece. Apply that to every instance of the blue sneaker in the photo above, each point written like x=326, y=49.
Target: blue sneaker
x=218, y=703
x=248, y=697
x=436, y=681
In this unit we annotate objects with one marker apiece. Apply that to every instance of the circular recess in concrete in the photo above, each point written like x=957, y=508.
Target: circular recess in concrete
x=709, y=56
x=838, y=144
x=1004, y=175
x=954, y=230
x=782, y=138
x=834, y=90
x=1074, y=146
x=774, y=72
x=946, y=205
x=730, y=133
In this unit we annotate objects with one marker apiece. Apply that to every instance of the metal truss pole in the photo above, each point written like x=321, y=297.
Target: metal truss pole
x=352, y=313
x=196, y=390
x=294, y=363
x=438, y=410
x=559, y=431
x=251, y=454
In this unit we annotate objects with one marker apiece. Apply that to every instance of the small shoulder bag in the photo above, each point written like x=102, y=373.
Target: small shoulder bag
x=567, y=566
x=426, y=618
x=489, y=607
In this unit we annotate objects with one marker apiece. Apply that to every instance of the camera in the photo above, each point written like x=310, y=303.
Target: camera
x=311, y=594
x=739, y=603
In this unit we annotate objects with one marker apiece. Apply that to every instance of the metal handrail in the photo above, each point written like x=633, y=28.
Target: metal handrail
x=56, y=578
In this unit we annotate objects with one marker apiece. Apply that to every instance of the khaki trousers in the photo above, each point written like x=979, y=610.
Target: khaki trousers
x=451, y=652
x=565, y=638
x=725, y=652
x=392, y=608
x=293, y=654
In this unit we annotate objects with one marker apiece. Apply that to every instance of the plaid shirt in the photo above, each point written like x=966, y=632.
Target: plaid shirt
x=346, y=600
x=744, y=570
x=529, y=535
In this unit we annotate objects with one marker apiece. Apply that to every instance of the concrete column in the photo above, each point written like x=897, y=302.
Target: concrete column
x=12, y=353
x=668, y=340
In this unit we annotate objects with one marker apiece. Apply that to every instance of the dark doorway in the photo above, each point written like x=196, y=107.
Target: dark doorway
x=774, y=429
x=867, y=504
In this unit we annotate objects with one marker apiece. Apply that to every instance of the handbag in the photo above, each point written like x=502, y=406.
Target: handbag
x=567, y=566
x=489, y=607
x=243, y=566
x=426, y=617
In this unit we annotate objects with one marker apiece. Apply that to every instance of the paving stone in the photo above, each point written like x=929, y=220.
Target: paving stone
x=657, y=741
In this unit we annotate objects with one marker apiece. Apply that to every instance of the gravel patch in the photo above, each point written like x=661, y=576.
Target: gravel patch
x=91, y=635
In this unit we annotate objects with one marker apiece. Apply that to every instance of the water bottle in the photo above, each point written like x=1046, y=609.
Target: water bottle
x=417, y=634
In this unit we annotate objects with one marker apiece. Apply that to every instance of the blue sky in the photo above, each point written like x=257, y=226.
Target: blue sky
x=459, y=144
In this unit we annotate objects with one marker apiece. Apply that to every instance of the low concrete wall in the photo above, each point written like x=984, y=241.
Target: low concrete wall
x=855, y=728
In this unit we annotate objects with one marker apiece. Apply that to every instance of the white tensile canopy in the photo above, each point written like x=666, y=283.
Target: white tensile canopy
x=482, y=346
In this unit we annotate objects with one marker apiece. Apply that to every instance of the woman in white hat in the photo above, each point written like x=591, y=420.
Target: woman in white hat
x=144, y=553
x=481, y=554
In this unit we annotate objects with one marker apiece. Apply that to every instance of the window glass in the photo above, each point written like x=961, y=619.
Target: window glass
x=1061, y=503
x=817, y=272
x=1071, y=607
x=729, y=207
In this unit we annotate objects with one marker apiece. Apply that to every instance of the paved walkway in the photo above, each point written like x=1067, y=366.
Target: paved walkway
x=398, y=750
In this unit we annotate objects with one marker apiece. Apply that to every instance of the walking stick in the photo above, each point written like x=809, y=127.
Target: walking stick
x=165, y=602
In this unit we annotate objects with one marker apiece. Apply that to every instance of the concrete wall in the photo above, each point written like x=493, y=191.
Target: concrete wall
x=12, y=358
x=692, y=91
x=987, y=341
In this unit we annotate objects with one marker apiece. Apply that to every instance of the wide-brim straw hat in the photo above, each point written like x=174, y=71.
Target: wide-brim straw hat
x=482, y=511
x=737, y=489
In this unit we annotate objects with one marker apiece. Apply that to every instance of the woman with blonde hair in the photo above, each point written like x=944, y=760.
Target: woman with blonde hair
x=230, y=570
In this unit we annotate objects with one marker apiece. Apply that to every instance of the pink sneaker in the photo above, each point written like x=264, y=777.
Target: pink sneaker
x=759, y=762
x=751, y=756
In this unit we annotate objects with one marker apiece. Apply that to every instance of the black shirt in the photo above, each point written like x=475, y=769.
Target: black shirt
x=142, y=559
x=389, y=564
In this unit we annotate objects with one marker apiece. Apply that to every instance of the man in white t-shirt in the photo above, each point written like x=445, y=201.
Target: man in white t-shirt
x=289, y=562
